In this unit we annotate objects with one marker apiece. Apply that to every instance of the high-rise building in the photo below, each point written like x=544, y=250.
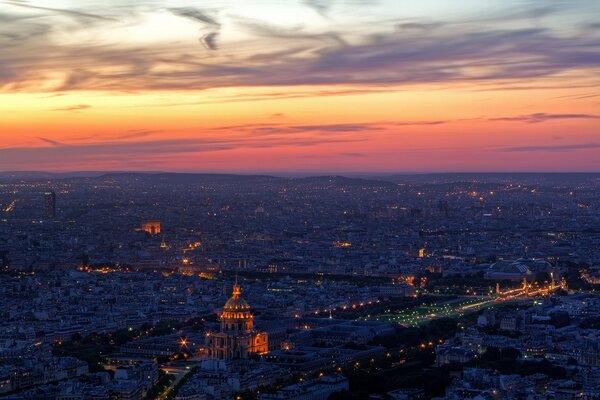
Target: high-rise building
x=50, y=205
x=237, y=337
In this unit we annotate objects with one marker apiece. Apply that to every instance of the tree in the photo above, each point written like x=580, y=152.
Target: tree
x=492, y=353
x=345, y=395
x=560, y=319
x=542, y=277
x=510, y=353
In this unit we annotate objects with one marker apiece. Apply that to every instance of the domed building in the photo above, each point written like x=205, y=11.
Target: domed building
x=237, y=337
x=518, y=270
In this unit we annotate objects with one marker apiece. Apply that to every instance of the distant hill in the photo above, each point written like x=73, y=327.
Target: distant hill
x=37, y=175
x=182, y=178
x=337, y=180
x=517, y=177
x=333, y=180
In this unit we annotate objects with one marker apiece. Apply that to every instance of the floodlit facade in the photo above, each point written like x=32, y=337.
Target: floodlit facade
x=237, y=337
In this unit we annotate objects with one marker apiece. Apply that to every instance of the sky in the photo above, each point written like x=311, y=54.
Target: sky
x=300, y=86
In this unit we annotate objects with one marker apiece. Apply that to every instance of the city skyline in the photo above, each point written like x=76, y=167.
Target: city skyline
x=299, y=87
x=179, y=286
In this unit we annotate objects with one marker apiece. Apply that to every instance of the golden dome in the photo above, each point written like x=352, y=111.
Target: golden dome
x=236, y=302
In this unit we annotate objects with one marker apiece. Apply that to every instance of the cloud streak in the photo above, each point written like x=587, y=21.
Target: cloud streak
x=77, y=107
x=51, y=142
x=266, y=129
x=208, y=40
x=137, y=149
x=196, y=15
x=543, y=117
x=553, y=148
x=83, y=17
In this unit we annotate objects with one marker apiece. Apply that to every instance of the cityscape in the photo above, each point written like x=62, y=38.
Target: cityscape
x=299, y=200
x=195, y=286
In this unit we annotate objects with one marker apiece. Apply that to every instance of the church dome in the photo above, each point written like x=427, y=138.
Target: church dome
x=236, y=302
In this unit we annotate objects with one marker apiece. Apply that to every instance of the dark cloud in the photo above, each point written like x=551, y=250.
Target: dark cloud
x=210, y=40
x=492, y=55
x=543, y=117
x=51, y=142
x=195, y=15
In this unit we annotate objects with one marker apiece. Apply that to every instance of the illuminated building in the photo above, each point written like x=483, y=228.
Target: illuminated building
x=151, y=227
x=50, y=205
x=237, y=337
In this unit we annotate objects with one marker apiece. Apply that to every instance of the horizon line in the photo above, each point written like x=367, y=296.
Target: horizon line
x=298, y=173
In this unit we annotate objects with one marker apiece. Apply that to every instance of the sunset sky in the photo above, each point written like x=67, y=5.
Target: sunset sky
x=313, y=86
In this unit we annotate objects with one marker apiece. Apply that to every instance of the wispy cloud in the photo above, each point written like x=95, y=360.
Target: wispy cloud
x=543, y=117
x=196, y=15
x=80, y=16
x=419, y=123
x=263, y=129
x=265, y=29
x=321, y=129
x=51, y=142
x=353, y=154
x=211, y=27
x=136, y=134
x=210, y=40
x=138, y=149
x=77, y=107
x=391, y=51
x=321, y=7
x=554, y=148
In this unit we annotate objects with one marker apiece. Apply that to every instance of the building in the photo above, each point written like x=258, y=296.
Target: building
x=315, y=389
x=396, y=290
x=514, y=271
x=358, y=332
x=407, y=394
x=448, y=354
x=151, y=227
x=50, y=205
x=308, y=359
x=237, y=337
